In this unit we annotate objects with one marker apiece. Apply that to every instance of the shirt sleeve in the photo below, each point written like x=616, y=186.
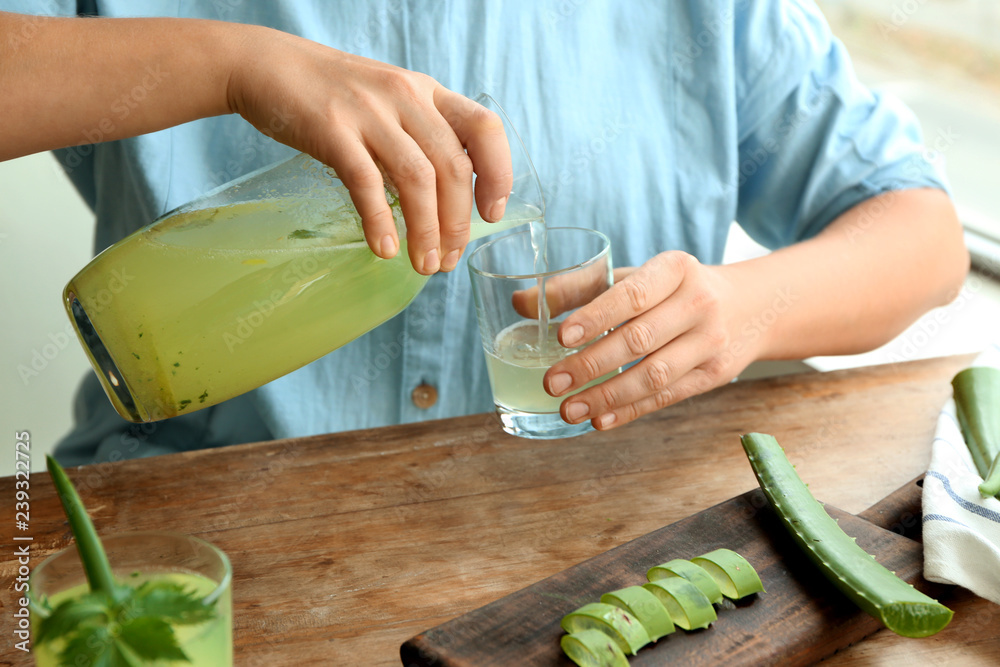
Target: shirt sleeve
x=47, y=8
x=813, y=141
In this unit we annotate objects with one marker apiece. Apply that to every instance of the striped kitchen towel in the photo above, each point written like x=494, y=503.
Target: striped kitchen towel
x=961, y=528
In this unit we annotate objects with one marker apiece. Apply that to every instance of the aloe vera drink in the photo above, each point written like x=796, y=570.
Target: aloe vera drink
x=206, y=644
x=211, y=303
x=517, y=363
x=520, y=342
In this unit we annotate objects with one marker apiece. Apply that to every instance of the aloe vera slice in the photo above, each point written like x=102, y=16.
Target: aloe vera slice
x=592, y=648
x=977, y=403
x=617, y=623
x=688, y=570
x=688, y=606
x=899, y=606
x=734, y=575
x=645, y=606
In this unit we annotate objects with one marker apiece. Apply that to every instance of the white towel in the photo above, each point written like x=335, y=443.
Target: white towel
x=961, y=529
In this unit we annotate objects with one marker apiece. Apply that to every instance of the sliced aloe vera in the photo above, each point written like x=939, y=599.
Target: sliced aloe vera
x=734, y=575
x=593, y=648
x=977, y=403
x=688, y=606
x=645, y=606
x=624, y=628
x=685, y=569
x=899, y=606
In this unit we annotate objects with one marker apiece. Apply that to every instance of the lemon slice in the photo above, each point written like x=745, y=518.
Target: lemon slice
x=617, y=623
x=688, y=570
x=735, y=576
x=645, y=606
x=593, y=648
x=688, y=606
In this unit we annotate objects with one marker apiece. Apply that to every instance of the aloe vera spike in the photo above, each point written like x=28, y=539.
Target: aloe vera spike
x=977, y=406
x=991, y=485
x=92, y=555
x=876, y=590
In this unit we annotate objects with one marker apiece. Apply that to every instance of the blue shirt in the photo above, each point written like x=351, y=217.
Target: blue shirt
x=655, y=122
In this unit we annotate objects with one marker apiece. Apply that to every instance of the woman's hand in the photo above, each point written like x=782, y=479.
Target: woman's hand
x=355, y=114
x=677, y=316
x=349, y=112
x=853, y=287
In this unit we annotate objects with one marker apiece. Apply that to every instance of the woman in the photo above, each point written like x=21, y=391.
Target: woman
x=657, y=125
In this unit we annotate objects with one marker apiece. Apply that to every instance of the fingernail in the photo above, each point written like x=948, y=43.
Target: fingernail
x=388, y=246
x=560, y=382
x=497, y=210
x=451, y=260
x=604, y=421
x=572, y=335
x=576, y=411
x=431, y=263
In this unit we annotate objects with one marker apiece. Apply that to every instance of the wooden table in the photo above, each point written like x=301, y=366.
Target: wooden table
x=346, y=545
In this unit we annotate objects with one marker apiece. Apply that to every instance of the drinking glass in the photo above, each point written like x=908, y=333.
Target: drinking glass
x=571, y=266
x=136, y=558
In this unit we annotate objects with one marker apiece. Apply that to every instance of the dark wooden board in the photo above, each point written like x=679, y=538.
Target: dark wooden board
x=800, y=619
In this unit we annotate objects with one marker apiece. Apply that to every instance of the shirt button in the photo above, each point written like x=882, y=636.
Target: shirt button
x=424, y=396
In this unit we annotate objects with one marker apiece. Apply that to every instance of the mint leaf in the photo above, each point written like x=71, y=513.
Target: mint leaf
x=91, y=609
x=96, y=646
x=136, y=629
x=152, y=639
x=171, y=601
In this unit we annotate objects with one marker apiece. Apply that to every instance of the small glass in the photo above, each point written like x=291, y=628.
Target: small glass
x=573, y=267
x=136, y=558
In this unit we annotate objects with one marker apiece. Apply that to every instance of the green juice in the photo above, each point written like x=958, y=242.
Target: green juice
x=205, y=305
x=207, y=644
x=518, y=362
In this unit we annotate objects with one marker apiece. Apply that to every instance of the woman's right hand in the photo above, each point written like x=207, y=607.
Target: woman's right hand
x=355, y=114
x=347, y=111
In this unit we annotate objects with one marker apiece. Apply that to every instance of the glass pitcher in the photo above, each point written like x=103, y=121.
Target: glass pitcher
x=247, y=283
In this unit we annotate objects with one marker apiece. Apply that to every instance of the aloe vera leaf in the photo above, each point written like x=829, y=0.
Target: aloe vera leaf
x=592, y=648
x=991, y=485
x=645, y=606
x=977, y=403
x=617, y=623
x=688, y=570
x=688, y=606
x=92, y=555
x=734, y=574
x=876, y=590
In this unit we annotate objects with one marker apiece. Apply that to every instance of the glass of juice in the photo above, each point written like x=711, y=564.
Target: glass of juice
x=525, y=284
x=138, y=558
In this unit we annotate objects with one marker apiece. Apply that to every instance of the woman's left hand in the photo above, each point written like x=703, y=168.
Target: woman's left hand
x=677, y=316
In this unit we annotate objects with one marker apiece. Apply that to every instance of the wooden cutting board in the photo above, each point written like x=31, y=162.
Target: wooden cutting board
x=800, y=619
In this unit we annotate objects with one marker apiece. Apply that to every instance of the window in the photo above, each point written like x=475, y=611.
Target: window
x=942, y=58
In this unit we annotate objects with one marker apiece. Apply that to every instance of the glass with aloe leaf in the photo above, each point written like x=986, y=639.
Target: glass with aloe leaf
x=151, y=598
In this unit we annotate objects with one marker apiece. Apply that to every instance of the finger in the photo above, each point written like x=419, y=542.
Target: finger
x=697, y=381
x=653, y=376
x=633, y=340
x=636, y=293
x=622, y=272
x=563, y=292
x=414, y=176
x=357, y=169
x=481, y=132
x=453, y=169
